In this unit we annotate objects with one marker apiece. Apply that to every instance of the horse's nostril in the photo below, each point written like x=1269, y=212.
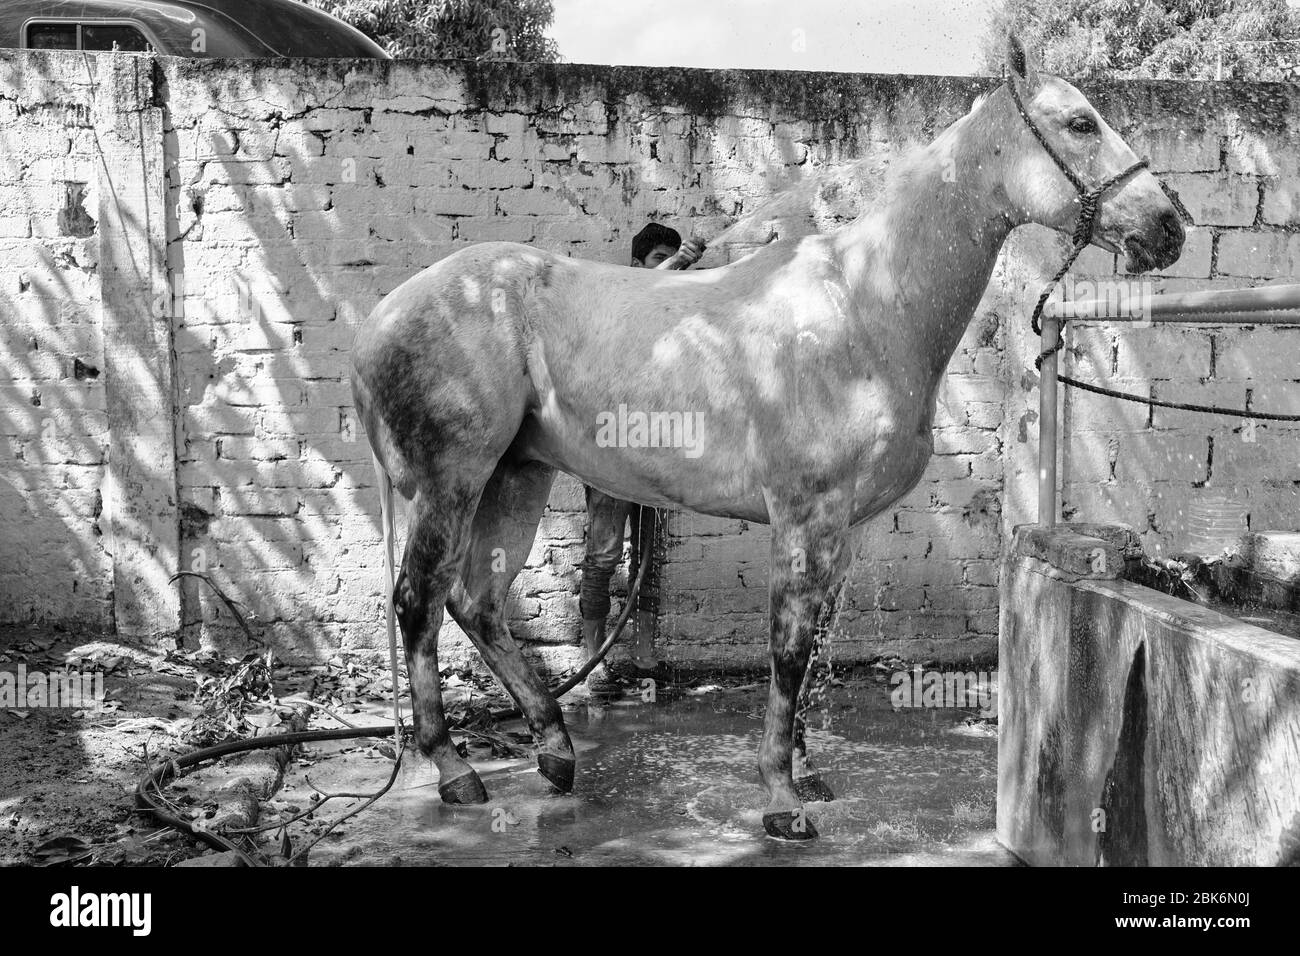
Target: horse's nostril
x=1172, y=226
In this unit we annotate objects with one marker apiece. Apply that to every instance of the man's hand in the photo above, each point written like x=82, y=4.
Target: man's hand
x=690, y=252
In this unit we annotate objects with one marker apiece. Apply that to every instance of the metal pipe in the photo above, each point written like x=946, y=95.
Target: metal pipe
x=1267, y=305
x=1269, y=317
x=1047, y=409
x=1275, y=304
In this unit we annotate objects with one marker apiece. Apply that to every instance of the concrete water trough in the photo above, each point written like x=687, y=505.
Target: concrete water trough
x=1139, y=728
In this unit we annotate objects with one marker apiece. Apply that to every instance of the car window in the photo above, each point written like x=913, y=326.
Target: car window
x=52, y=36
x=93, y=36
x=99, y=36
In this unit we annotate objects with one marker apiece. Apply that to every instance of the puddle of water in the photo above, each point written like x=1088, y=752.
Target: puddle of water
x=675, y=782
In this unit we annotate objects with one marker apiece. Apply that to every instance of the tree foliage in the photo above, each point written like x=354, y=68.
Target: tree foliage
x=1164, y=39
x=452, y=29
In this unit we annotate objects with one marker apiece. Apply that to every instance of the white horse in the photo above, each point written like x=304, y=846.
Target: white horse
x=810, y=369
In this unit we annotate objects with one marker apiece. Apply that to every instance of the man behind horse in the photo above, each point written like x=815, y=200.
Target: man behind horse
x=654, y=247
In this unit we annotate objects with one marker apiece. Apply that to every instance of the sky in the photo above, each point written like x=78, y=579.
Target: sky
x=859, y=36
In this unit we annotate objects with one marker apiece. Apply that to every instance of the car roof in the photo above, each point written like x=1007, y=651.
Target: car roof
x=234, y=28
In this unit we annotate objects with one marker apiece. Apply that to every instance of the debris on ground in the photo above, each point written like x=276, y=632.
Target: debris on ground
x=67, y=787
x=68, y=777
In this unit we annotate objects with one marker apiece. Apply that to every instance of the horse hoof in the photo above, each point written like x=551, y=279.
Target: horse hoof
x=789, y=825
x=813, y=788
x=467, y=788
x=558, y=770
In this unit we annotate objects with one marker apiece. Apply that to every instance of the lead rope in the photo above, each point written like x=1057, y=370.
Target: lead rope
x=1089, y=204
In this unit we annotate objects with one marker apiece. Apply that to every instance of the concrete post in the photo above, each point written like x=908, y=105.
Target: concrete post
x=140, y=494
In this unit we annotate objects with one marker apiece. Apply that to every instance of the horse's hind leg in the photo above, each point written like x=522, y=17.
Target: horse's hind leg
x=503, y=532
x=435, y=546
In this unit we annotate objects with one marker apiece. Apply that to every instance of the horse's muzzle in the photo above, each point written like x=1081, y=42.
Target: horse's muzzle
x=1157, y=247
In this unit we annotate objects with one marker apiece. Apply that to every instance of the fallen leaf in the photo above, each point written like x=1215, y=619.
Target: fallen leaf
x=263, y=721
x=64, y=849
x=125, y=853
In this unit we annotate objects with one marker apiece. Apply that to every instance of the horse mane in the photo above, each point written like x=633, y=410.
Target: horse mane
x=829, y=197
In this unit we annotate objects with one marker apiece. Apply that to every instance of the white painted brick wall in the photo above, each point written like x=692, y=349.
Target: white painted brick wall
x=53, y=425
x=321, y=188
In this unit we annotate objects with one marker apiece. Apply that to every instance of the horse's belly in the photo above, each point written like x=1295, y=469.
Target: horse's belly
x=665, y=477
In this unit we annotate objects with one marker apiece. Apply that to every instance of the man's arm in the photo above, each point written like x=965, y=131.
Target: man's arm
x=684, y=257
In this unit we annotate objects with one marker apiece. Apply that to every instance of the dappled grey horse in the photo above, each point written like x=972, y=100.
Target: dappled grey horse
x=809, y=369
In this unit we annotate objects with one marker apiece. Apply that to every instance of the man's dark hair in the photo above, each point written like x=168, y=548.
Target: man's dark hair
x=654, y=234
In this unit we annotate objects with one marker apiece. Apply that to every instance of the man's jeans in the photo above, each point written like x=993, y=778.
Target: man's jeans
x=606, y=519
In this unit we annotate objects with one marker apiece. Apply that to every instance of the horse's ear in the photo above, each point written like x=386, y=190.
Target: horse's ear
x=1018, y=61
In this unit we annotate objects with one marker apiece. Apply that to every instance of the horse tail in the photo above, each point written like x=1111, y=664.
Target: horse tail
x=385, y=483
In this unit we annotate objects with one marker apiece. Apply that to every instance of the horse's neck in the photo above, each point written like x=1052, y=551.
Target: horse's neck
x=923, y=259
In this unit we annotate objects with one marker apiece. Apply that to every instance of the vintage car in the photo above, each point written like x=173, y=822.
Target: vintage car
x=211, y=28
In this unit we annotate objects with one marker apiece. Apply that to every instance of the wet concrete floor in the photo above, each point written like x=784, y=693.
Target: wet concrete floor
x=674, y=782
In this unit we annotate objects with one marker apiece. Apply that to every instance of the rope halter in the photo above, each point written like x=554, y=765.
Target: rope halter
x=1089, y=203
x=1089, y=199
x=1089, y=206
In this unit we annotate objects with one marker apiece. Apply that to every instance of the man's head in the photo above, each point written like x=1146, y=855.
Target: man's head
x=653, y=245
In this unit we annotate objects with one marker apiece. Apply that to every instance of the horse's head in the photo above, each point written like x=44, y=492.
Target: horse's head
x=1056, y=146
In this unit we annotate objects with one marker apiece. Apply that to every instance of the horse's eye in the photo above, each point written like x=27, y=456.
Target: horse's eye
x=1083, y=125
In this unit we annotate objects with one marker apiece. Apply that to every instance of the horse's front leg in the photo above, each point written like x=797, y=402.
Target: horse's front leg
x=810, y=554
x=808, y=783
